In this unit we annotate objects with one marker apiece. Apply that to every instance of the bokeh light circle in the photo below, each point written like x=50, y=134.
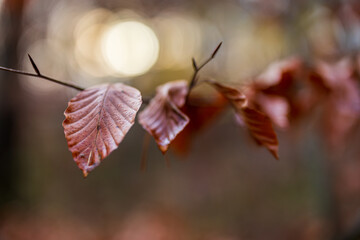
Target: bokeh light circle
x=130, y=48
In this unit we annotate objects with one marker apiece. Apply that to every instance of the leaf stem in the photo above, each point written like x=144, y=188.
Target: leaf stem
x=39, y=75
x=194, y=78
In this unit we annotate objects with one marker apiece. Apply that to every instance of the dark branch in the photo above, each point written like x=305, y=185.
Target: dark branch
x=216, y=50
x=34, y=65
x=197, y=69
x=39, y=75
x=194, y=64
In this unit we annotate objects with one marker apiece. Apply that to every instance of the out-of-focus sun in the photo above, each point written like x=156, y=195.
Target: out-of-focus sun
x=130, y=48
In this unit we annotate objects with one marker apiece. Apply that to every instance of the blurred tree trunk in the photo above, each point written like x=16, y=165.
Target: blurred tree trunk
x=10, y=25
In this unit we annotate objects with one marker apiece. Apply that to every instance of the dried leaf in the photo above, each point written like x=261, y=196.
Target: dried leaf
x=201, y=111
x=282, y=84
x=162, y=118
x=96, y=121
x=276, y=107
x=258, y=123
x=342, y=99
x=333, y=74
x=279, y=76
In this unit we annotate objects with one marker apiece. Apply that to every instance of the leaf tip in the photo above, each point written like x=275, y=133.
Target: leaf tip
x=85, y=173
x=163, y=148
x=274, y=151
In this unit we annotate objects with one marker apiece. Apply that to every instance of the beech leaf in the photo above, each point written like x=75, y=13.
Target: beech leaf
x=278, y=75
x=341, y=106
x=279, y=91
x=202, y=111
x=276, y=107
x=162, y=118
x=97, y=120
x=258, y=123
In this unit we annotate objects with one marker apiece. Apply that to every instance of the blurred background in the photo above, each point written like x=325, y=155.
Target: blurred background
x=225, y=188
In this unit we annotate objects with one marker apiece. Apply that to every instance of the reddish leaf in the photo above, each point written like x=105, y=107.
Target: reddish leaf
x=302, y=88
x=333, y=74
x=97, y=119
x=279, y=76
x=261, y=129
x=276, y=107
x=281, y=83
x=162, y=118
x=201, y=112
x=342, y=99
x=16, y=6
x=258, y=123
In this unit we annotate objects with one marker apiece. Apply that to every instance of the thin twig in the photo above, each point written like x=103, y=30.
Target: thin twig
x=39, y=75
x=197, y=69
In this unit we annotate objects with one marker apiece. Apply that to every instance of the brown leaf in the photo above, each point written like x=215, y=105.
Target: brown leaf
x=96, y=121
x=333, y=74
x=258, y=123
x=276, y=107
x=279, y=76
x=282, y=84
x=201, y=111
x=162, y=118
x=342, y=99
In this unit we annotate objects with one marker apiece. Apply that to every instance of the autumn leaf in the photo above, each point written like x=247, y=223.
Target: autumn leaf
x=97, y=120
x=276, y=107
x=334, y=73
x=202, y=111
x=257, y=122
x=278, y=91
x=278, y=76
x=341, y=100
x=162, y=118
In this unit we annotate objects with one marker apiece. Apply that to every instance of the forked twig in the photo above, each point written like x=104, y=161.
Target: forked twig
x=197, y=69
x=39, y=75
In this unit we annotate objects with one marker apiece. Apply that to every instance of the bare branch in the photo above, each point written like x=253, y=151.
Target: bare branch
x=39, y=75
x=197, y=69
x=34, y=65
x=194, y=64
x=216, y=50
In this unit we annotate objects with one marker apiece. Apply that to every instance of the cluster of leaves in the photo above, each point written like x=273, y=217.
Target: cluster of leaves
x=98, y=118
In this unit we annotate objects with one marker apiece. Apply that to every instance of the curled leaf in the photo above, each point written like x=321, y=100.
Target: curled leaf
x=281, y=92
x=276, y=107
x=96, y=121
x=279, y=76
x=258, y=123
x=162, y=118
